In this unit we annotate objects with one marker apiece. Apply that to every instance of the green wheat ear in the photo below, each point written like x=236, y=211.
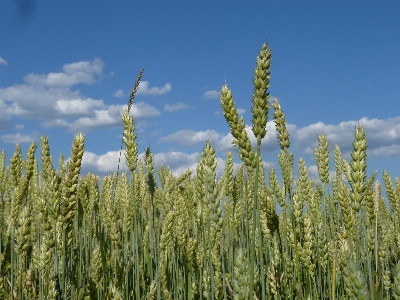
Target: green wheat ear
x=68, y=209
x=238, y=130
x=322, y=158
x=129, y=136
x=358, y=168
x=280, y=124
x=260, y=95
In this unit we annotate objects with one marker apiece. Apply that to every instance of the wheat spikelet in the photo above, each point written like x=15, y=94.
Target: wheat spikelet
x=322, y=158
x=377, y=198
x=23, y=232
x=29, y=168
x=135, y=89
x=358, y=168
x=390, y=192
x=273, y=280
x=161, y=175
x=16, y=164
x=355, y=286
x=61, y=165
x=286, y=163
x=240, y=279
x=47, y=162
x=2, y=172
x=280, y=124
x=307, y=250
x=346, y=208
x=260, y=95
x=386, y=281
x=181, y=222
x=302, y=188
x=298, y=210
x=322, y=246
x=68, y=208
x=397, y=198
x=396, y=286
x=228, y=188
x=368, y=197
x=237, y=126
x=129, y=138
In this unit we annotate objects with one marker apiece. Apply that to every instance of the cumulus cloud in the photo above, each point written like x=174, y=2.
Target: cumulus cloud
x=383, y=137
x=50, y=96
x=3, y=61
x=107, y=163
x=178, y=162
x=211, y=95
x=176, y=106
x=144, y=89
x=119, y=94
x=143, y=110
x=77, y=106
x=79, y=72
x=190, y=138
x=383, y=140
x=50, y=99
x=19, y=138
x=5, y=118
x=103, y=164
x=241, y=111
x=103, y=118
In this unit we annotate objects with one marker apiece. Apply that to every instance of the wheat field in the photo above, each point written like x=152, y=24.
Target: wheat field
x=196, y=237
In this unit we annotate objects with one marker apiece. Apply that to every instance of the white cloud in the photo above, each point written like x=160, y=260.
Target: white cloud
x=49, y=96
x=175, y=106
x=241, y=111
x=211, y=95
x=107, y=163
x=3, y=61
x=103, y=164
x=190, y=138
x=145, y=90
x=37, y=102
x=268, y=144
x=77, y=106
x=5, y=118
x=50, y=99
x=383, y=136
x=79, y=72
x=178, y=162
x=119, y=94
x=103, y=118
x=142, y=110
x=19, y=138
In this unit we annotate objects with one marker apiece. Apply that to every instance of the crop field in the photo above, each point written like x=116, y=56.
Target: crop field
x=149, y=235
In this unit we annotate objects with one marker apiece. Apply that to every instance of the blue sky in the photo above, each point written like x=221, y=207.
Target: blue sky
x=68, y=67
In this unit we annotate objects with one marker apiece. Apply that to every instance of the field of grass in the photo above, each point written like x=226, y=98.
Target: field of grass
x=196, y=237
